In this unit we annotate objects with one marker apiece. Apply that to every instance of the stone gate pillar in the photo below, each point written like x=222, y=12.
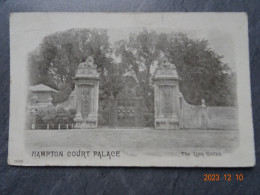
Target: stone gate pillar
x=166, y=96
x=87, y=90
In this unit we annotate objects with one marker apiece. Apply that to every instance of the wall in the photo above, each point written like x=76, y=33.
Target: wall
x=216, y=117
x=222, y=117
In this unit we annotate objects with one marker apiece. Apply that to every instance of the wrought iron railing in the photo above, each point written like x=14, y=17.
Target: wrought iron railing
x=45, y=126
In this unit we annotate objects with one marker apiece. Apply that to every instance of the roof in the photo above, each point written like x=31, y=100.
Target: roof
x=42, y=87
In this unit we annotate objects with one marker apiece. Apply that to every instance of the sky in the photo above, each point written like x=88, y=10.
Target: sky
x=220, y=29
x=219, y=41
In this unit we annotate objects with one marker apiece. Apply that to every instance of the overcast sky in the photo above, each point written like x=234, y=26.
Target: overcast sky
x=219, y=29
x=220, y=42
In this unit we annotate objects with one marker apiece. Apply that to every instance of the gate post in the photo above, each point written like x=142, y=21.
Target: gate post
x=87, y=90
x=166, y=96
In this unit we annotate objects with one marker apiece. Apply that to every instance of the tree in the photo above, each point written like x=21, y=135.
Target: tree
x=137, y=55
x=202, y=73
x=55, y=61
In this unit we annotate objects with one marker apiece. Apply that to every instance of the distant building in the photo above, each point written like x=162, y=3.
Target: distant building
x=40, y=96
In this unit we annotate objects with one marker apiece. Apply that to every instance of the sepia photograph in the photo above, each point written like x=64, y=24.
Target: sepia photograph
x=132, y=89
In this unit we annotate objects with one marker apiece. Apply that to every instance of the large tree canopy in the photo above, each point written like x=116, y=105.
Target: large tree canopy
x=202, y=72
x=55, y=61
x=137, y=56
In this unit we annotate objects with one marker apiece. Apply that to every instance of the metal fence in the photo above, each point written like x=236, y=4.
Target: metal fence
x=44, y=126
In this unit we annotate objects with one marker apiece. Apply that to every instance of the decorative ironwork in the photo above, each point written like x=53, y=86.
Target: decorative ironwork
x=126, y=112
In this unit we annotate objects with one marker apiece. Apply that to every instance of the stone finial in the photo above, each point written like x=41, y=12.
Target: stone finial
x=89, y=63
x=87, y=69
x=203, y=102
x=165, y=64
x=165, y=70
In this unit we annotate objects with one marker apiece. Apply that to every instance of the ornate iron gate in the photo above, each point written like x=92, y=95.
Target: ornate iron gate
x=126, y=112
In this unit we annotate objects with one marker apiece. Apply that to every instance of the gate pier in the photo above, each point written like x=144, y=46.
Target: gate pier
x=87, y=89
x=166, y=96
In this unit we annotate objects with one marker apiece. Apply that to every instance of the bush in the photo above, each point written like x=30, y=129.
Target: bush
x=53, y=116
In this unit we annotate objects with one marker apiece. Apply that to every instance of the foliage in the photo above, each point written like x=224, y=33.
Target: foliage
x=55, y=61
x=202, y=72
x=137, y=56
x=53, y=116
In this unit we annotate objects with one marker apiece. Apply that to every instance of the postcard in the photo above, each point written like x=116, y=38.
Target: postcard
x=130, y=89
